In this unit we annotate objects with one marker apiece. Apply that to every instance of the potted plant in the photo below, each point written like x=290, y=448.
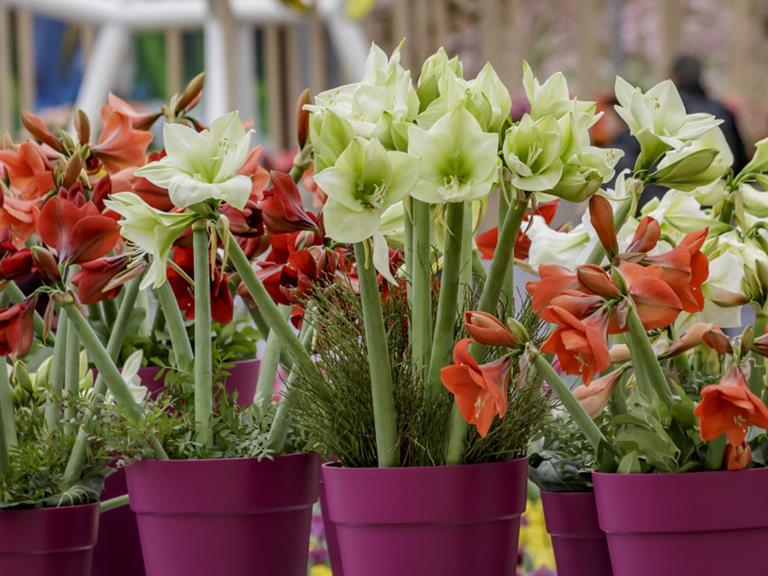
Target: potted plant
x=686, y=406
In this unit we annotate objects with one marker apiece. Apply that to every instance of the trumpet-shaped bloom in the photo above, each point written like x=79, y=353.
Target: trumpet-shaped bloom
x=16, y=330
x=18, y=219
x=29, y=170
x=151, y=231
x=120, y=145
x=480, y=390
x=487, y=329
x=98, y=279
x=432, y=76
x=568, y=249
x=594, y=398
x=656, y=302
x=551, y=98
x=677, y=212
x=532, y=151
x=365, y=181
x=458, y=159
x=697, y=164
x=282, y=208
x=200, y=166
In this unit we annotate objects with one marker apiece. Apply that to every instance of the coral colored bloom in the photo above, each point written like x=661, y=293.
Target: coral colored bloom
x=78, y=233
x=698, y=333
x=29, y=170
x=487, y=329
x=594, y=398
x=601, y=216
x=552, y=281
x=258, y=174
x=487, y=241
x=597, y=281
x=120, y=145
x=646, y=236
x=18, y=218
x=282, y=207
x=16, y=330
x=581, y=345
x=730, y=408
x=657, y=304
x=480, y=390
x=738, y=457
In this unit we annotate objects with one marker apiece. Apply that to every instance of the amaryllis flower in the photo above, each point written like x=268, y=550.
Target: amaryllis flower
x=282, y=208
x=16, y=329
x=581, y=345
x=14, y=263
x=153, y=195
x=120, y=145
x=139, y=120
x=730, y=408
x=737, y=457
x=98, y=279
x=18, y=218
x=480, y=390
x=487, y=329
x=255, y=171
x=78, y=233
x=594, y=398
x=486, y=242
x=294, y=281
x=552, y=281
x=601, y=216
x=29, y=170
x=222, y=303
x=700, y=333
x=656, y=302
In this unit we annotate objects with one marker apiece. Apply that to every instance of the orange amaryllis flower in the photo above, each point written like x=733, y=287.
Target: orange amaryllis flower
x=581, y=345
x=18, y=218
x=597, y=281
x=120, y=145
x=700, y=333
x=578, y=303
x=594, y=398
x=738, y=457
x=646, y=237
x=730, y=408
x=487, y=329
x=552, y=281
x=480, y=390
x=16, y=330
x=601, y=216
x=657, y=304
x=29, y=170
x=685, y=268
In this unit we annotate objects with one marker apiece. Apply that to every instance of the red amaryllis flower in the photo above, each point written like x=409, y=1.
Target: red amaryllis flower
x=646, y=236
x=120, y=145
x=222, y=302
x=657, y=304
x=487, y=241
x=737, y=457
x=78, y=233
x=16, y=330
x=581, y=345
x=18, y=218
x=139, y=120
x=597, y=281
x=487, y=329
x=294, y=281
x=730, y=408
x=282, y=207
x=29, y=170
x=258, y=174
x=480, y=390
x=93, y=278
x=14, y=263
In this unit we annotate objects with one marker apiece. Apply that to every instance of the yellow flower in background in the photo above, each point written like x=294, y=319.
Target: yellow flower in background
x=320, y=571
x=534, y=538
x=356, y=9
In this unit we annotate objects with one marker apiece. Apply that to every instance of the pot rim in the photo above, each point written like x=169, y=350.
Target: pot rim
x=679, y=475
x=292, y=455
x=336, y=465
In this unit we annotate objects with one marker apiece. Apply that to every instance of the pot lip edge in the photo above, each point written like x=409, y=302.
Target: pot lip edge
x=283, y=457
x=679, y=475
x=336, y=467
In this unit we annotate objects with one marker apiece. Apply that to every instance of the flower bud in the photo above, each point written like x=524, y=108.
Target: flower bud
x=72, y=171
x=187, y=99
x=46, y=264
x=82, y=127
x=39, y=131
x=685, y=173
x=601, y=216
x=597, y=281
x=486, y=329
x=302, y=118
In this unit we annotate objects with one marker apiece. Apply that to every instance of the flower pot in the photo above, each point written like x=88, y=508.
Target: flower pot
x=242, y=379
x=48, y=541
x=579, y=543
x=118, y=550
x=331, y=538
x=238, y=517
x=705, y=523
x=447, y=520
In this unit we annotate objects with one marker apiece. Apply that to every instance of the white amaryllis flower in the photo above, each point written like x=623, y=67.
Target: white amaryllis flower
x=532, y=150
x=150, y=231
x=678, y=213
x=199, y=166
x=697, y=163
x=553, y=97
x=458, y=160
x=657, y=118
x=568, y=249
x=726, y=273
x=759, y=162
x=130, y=373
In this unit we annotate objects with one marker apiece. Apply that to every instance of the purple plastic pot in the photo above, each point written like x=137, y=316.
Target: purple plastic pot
x=48, y=541
x=331, y=537
x=234, y=517
x=118, y=550
x=242, y=379
x=704, y=523
x=579, y=543
x=446, y=520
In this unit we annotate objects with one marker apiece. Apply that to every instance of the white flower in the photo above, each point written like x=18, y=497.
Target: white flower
x=130, y=373
x=678, y=213
x=568, y=249
x=199, y=166
x=726, y=272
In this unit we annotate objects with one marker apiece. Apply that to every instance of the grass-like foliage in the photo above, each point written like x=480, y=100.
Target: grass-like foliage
x=336, y=413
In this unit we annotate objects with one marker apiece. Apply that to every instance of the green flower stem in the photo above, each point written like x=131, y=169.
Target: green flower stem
x=108, y=311
x=503, y=256
x=716, y=453
x=270, y=362
x=15, y=295
x=477, y=265
x=598, y=252
x=408, y=247
x=445, y=325
x=8, y=440
x=648, y=371
x=71, y=378
x=384, y=414
x=507, y=287
x=174, y=322
x=203, y=368
x=579, y=415
x=259, y=321
x=58, y=371
x=757, y=375
x=421, y=306
x=116, y=337
x=457, y=435
x=112, y=503
x=270, y=312
x=465, y=268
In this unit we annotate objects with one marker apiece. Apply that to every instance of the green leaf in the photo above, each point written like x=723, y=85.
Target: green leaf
x=630, y=464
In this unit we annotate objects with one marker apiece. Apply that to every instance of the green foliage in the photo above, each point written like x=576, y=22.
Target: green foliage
x=336, y=413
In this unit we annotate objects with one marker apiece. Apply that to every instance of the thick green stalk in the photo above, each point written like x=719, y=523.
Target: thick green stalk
x=112, y=503
x=443, y=339
x=507, y=287
x=465, y=267
x=408, y=247
x=270, y=312
x=716, y=453
x=648, y=371
x=174, y=322
x=115, y=343
x=598, y=252
x=259, y=321
x=71, y=379
x=457, y=434
x=502, y=257
x=270, y=362
x=203, y=369
x=15, y=295
x=384, y=413
x=572, y=406
x=58, y=370
x=9, y=439
x=421, y=305
x=757, y=375
x=109, y=311
x=477, y=265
